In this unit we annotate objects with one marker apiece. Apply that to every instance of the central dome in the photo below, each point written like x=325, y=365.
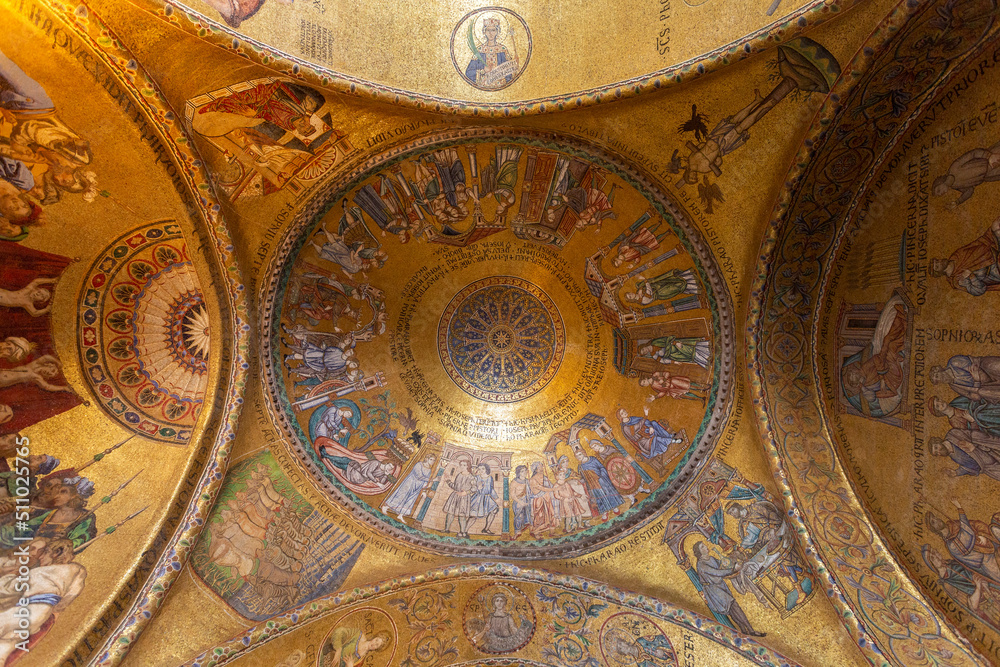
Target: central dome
x=496, y=342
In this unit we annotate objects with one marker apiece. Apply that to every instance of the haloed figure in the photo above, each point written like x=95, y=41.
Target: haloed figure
x=501, y=628
x=487, y=67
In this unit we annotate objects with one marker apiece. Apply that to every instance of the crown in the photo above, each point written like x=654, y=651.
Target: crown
x=492, y=22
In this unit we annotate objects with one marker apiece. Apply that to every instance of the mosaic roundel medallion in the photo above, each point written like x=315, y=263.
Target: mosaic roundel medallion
x=144, y=333
x=494, y=342
x=501, y=339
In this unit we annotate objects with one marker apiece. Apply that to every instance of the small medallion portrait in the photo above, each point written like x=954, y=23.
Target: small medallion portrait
x=633, y=639
x=490, y=47
x=365, y=636
x=499, y=619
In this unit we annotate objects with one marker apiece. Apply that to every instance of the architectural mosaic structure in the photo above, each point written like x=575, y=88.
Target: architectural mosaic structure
x=336, y=334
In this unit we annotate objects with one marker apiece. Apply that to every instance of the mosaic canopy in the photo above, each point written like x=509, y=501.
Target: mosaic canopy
x=690, y=298
x=464, y=348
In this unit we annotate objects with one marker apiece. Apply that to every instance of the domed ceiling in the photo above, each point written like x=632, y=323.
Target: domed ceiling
x=649, y=334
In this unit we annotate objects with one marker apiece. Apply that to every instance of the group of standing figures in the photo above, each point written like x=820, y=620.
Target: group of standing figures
x=971, y=571
x=473, y=496
x=544, y=498
x=568, y=501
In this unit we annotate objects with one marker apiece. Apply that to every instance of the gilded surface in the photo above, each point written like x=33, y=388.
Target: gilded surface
x=717, y=359
x=443, y=53
x=108, y=316
x=562, y=406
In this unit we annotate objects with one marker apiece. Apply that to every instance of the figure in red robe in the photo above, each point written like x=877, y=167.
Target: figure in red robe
x=973, y=268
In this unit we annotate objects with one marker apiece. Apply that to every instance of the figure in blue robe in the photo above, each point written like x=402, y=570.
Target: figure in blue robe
x=520, y=496
x=600, y=488
x=651, y=438
x=984, y=414
x=336, y=422
x=656, y=647
x=16, y=173
x=964, y=372
x=973, y=452
x=484, y=498
x=329, y=361
x=488, y=56
x=961, y=366
x=21, y=93
x=477, y=66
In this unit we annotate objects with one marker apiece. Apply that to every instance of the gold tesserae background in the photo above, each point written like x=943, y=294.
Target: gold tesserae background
x=657, y=334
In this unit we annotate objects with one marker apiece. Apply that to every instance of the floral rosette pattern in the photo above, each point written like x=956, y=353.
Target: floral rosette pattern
x=501, y=339
x=144, y=333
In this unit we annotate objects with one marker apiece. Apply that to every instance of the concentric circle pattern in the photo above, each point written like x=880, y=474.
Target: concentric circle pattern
x=501, y=339
x=144, y=333
x=496, y=342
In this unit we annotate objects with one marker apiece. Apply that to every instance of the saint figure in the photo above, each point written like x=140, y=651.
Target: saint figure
x=492, y=65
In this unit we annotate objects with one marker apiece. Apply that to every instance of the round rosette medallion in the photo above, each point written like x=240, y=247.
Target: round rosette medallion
x=496, y=342
x=501, y=339
x=144, y=333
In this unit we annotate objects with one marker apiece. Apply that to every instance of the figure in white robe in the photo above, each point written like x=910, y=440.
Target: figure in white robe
x=404, y=497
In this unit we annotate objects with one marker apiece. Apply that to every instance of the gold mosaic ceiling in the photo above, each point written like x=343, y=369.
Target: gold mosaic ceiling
x=658, y=333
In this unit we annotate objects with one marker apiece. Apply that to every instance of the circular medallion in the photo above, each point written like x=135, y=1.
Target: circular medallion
x=499, y=619
x=628, y=638
x=496, y=342
x=501, y=339
x=144, y=333
x=368, y=635
x=490, y=47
